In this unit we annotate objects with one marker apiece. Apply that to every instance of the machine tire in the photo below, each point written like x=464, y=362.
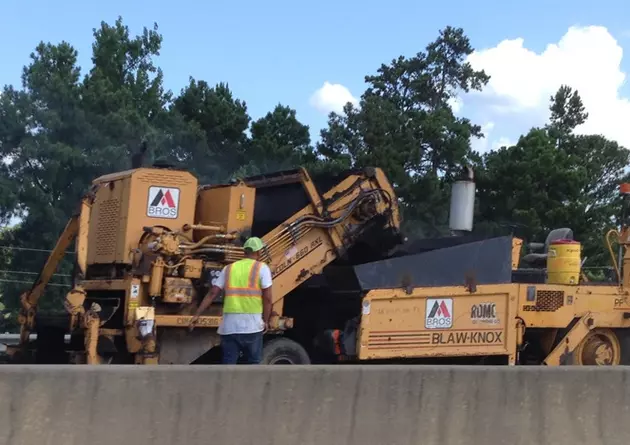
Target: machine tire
x=585, y=352
x=284, y=351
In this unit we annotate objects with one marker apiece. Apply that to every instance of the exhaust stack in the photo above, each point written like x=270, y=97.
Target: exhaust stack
x=463, y=203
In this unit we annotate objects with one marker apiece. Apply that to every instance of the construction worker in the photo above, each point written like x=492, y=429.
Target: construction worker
x=246, y=305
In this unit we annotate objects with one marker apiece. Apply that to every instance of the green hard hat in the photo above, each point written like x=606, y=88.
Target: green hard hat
x=254, y=243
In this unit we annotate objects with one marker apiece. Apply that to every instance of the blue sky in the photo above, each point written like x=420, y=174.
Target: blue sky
x=281, y=51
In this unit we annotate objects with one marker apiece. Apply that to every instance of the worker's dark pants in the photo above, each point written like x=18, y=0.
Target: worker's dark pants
x=249, y=344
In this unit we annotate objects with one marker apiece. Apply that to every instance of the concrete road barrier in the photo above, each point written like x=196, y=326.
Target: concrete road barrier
x=367, y=405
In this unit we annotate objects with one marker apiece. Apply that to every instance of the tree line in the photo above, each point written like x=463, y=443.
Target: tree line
x=60, y=129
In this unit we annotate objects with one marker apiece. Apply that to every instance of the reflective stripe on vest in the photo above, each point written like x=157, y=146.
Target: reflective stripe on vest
x=243, y=294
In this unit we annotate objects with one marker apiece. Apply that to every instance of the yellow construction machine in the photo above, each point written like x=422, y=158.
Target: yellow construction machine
x=467, y=300
x=149, y=242
x=346, y=287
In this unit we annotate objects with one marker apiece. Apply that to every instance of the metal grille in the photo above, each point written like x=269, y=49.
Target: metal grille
x=173, y=179
x=547, y=301
x=107, y=227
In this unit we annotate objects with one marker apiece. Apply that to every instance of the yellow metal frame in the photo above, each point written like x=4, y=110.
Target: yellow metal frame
x=113, y=227
x=393, y=321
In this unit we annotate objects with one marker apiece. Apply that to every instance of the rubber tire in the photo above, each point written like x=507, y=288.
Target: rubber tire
x=287, y=349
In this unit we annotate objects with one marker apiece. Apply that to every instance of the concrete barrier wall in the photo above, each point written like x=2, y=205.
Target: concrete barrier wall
x=367, y=405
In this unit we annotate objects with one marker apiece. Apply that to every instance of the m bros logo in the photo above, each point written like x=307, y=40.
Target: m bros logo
x=163, y=202
x=439, y=313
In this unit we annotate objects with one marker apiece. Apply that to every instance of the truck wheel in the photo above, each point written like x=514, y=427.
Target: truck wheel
x=284, y=351
x=600, y=347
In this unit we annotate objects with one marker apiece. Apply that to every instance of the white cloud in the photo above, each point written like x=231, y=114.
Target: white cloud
x=14, y=221
x=502, y=142
x=481, y=144
x=456, y=104
x=586, y=58
x=490, y=142
x=332, y=97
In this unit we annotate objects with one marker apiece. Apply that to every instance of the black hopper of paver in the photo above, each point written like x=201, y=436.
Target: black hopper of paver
x=453, y=261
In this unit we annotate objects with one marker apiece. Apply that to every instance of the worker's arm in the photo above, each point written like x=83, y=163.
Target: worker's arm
x=267, y=300
x=265, y=283
x=207, y=300
x=213, y=293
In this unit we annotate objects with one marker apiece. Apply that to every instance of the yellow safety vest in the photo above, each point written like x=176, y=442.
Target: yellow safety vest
x=243, y=294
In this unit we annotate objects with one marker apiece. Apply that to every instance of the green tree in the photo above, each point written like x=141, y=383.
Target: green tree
x=8, y=196
x=567, y=113
x=554, y=178
x=601, y=163
x=61, y=131
x=6, y=235
x=405, y=125
x=42, y=139
x=529, y=185
x=123, y=93
x=223, y=121
x=278, y=142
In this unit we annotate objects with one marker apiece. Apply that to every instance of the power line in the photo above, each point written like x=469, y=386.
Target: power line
x=32, y=273
x=30, y=282
x=29, y=249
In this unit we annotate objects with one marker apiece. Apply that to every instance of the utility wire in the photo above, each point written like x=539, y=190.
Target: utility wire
x=30, y=282
x=32, y=273
x=28, y=249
